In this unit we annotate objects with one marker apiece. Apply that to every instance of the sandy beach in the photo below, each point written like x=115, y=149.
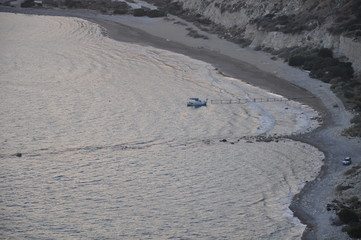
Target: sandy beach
x=256, y=68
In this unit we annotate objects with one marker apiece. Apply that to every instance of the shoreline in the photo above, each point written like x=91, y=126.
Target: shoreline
x=323, y=138
x=252, y=75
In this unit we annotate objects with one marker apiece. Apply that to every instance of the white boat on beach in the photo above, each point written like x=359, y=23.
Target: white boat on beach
x=196, y=102
x=346, y=161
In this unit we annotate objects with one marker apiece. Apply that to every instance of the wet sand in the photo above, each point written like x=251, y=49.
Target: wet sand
x=257, y=69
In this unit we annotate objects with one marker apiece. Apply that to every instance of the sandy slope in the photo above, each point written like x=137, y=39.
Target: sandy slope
x=257, y=68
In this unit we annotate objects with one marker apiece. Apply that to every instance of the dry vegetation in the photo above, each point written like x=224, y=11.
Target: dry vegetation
x=347, y=205
x=339, y=74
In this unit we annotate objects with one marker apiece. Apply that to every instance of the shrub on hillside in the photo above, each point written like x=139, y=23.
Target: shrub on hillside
x=120, y=7
x=120, y=11
x=347, y=216
x=53, y=3
x=356, y=119
x=355, y=129
x=174, y=8
x=356, y=100
x=297, y=61
x=325, y=53
x=156, y=13
x=348, y=94
x=342, y=70
x=322, y=65
x=312, y=63
x=353, y=231
x=27, y=4
x=323, y=68
x=318, y=73
x=139, y=12
x=72, y=4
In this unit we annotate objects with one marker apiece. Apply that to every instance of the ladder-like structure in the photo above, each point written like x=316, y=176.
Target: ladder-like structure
x=246, y=100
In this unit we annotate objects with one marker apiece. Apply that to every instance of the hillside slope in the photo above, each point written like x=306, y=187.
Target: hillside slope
x=278, y=24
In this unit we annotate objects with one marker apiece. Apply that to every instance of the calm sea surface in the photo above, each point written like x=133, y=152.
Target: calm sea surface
x=110, y=150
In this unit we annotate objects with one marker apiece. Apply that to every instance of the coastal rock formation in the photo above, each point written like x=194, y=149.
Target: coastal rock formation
x=278, y=24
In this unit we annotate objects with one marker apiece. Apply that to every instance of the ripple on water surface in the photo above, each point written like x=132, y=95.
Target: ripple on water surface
x=111, y=151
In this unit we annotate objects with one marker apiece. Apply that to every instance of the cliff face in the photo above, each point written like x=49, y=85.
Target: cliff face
x=278, y=24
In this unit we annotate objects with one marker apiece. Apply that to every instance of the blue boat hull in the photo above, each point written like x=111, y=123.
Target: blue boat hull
x=197, y=104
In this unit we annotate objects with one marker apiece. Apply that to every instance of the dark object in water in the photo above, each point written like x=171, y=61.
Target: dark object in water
x=19, y=154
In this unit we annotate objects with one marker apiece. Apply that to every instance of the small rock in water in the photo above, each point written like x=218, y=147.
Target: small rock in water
x=223, y=140
x=19, y=154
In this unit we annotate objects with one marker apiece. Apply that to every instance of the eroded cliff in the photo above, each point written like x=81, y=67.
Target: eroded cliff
x=278, y=24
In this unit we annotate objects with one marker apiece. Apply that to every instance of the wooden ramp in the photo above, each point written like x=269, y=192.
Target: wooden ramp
x=246, y=100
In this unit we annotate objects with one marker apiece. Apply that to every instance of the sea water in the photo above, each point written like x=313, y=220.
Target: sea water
x=111, y=151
